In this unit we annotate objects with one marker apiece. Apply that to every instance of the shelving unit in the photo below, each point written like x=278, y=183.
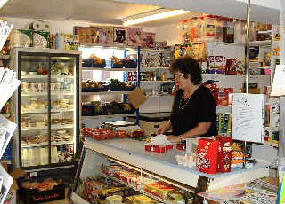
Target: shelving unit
x=105, y=74
x=46, y=144
x=58, y=93
x=109, y=69
x=252, y=43
x=104, y=93
x=53, y=127
x=45, y=76
x=107, y=116
x=157, y=81
x=5, y=57
x=154, y=68
x=45, y=111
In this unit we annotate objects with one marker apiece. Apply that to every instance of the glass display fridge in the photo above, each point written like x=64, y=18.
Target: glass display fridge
x=47, y=107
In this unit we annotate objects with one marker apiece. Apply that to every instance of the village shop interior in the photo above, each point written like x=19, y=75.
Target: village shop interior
x=85, y=86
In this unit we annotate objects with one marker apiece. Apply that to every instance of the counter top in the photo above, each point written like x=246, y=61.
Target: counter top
x=132, y=152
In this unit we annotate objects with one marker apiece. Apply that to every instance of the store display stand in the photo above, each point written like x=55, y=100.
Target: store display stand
x=131, y=153
x=8, y=84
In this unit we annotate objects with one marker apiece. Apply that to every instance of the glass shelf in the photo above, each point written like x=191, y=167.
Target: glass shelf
x=46, y=144
x=55, y=127
x=45, y=76
x=45, y=111
x=59, y=93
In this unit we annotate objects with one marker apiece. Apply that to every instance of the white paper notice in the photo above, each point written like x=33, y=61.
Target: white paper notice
x=248, y=117
x=278, y=84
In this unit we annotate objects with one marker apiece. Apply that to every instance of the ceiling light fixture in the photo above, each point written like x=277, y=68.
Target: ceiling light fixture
x=3, y=2
x=153, y=17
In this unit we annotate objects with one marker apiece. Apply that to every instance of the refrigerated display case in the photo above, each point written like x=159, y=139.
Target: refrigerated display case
x=47, y=107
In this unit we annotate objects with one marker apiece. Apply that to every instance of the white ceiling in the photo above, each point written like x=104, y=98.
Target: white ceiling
x=112, y=12
x=267, y=11
x=99, y=11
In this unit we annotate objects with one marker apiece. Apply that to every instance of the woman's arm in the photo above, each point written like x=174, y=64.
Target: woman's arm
x=201, y=129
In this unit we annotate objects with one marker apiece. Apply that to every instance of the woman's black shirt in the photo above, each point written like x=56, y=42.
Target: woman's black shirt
x=187, y=113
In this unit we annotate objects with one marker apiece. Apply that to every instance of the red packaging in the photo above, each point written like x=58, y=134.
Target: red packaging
x=181, y=147
x=148, y=148
x=122, y=133
x=222, y=99
x=229, y=95
x=225, y=154
x=169, y=147
x=159, y=149
x=208, y=156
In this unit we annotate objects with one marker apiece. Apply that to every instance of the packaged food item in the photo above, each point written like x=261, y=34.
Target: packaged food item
x=21, y=38
x=228, y=31
x=41, y=39
x=159, y=189
x=208, y=156
x=215, y=155
x=140, y=199
x=71, y=42
x=225, y=154
x=114, y=199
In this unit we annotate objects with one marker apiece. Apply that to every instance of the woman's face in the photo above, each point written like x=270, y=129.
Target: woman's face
x=182, y=82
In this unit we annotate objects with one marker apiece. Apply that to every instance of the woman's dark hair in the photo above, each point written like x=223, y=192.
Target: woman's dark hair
x=188, y=66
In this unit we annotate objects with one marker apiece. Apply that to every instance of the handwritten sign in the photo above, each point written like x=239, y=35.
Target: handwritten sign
x=248, y=117
x=278, y=84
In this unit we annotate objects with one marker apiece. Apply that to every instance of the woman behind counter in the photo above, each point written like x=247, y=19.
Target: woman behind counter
x=194, y=110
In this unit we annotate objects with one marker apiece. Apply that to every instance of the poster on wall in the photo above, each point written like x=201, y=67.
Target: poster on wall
x=120, y=35
x=95, y=35
x=248, y=117
x=107, y=35
x=135, y=36
x=148, y=40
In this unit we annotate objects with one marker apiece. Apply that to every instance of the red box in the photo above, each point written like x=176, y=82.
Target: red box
x=181, y=147
x=225, y=154
x=169, y=147
x=159, y=149
x=147, y=148
x=229, y=95
x=208, y=156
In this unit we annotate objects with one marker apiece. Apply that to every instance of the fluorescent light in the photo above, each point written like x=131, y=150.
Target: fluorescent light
x=153, y=17
x=3, y=2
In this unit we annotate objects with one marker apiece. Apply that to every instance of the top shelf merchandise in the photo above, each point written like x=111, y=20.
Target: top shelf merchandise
x=219, y=43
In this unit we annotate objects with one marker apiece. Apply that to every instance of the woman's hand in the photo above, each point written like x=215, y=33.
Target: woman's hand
x=161, y=130
x=173, y=138
x=164, y=128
